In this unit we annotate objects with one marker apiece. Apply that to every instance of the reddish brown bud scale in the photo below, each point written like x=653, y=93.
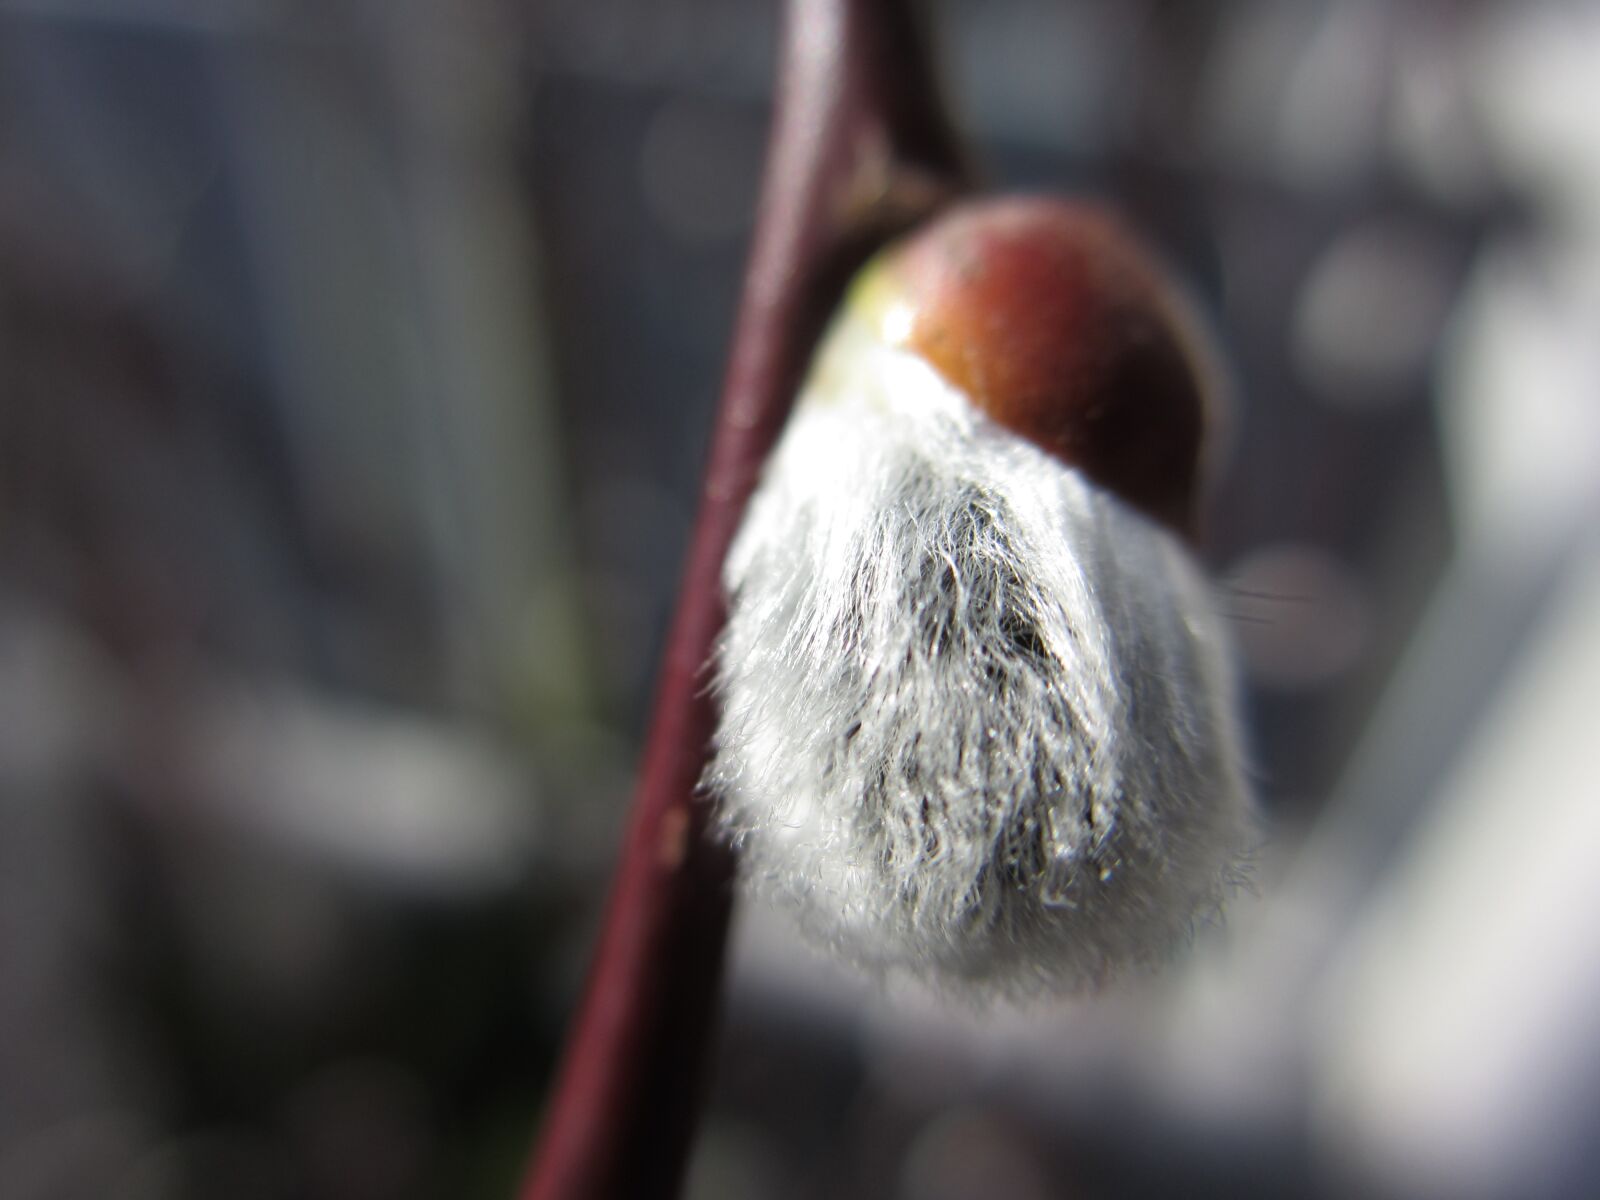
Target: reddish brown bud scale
x=1053, y=318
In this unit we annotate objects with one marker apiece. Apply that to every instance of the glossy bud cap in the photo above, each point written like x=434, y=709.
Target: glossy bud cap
x=1056, y=321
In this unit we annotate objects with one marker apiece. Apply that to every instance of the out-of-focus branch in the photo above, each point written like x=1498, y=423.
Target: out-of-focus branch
x=860, y=150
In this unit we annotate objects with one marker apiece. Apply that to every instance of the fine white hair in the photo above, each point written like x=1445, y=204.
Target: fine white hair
x=977, y=718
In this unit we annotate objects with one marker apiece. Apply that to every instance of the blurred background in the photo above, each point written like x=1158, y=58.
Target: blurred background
x=356, y=365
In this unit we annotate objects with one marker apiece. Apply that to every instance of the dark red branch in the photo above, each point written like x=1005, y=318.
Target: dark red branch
x=860, y=150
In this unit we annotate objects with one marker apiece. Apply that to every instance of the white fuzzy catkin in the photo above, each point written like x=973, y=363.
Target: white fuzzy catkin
x=976, y=716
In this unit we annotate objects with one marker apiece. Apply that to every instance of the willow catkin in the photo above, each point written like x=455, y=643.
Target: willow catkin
x=977, y=717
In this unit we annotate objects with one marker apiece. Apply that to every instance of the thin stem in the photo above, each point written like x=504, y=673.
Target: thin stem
x=860, y=150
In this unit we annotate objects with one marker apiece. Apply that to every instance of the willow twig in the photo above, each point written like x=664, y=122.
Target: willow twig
x=860, y=150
